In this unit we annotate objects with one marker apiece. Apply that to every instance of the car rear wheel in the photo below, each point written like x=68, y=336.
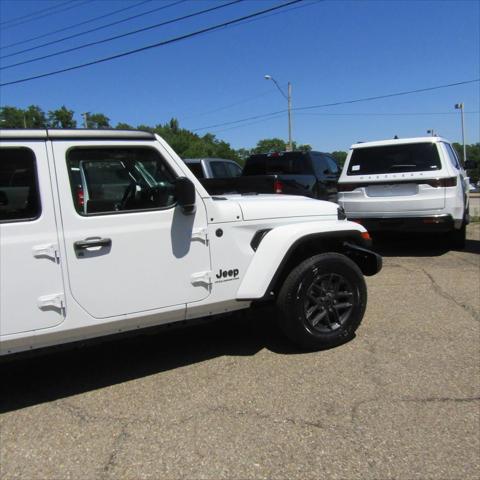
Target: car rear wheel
x=322, y=301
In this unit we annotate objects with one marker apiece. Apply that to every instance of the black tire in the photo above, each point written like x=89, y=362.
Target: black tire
x=322, y=301
x=457, y=238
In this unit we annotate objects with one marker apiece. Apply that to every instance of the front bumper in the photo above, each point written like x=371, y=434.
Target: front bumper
x=369, y=262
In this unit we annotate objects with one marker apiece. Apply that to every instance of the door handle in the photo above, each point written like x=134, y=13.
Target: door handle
x=92, y=242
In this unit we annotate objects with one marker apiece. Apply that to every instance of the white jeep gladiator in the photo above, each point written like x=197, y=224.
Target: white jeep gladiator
x=106, y=231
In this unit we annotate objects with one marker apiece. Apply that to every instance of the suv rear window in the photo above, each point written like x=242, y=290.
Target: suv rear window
x=289, y=163
x=411, y=157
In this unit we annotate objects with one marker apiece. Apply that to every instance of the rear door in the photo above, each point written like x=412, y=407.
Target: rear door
x=31, y=293
x=129, y=247
x=398, y=178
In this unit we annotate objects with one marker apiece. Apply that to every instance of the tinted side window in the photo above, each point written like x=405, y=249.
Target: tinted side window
x=452, y=156
x=196, y=169
x=219, y=169
x=108, y=180
x=320, y=165
x=19, y=198
x=332, y=165
x=233, y=169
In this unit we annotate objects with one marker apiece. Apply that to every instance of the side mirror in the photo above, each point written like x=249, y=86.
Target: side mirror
x=470, y=165
x=185, y=194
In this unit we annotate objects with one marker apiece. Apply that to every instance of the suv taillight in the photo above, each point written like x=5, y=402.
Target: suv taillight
x=278, y=186
x=442, y=182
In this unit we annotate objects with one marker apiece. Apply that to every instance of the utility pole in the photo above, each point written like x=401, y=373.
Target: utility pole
x=431, y=132
x=289, y=103
x=290, y=145
x=460, y=106
x=85, y=119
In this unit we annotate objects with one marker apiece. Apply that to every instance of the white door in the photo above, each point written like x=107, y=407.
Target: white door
x=31, y=293
x=129, y=248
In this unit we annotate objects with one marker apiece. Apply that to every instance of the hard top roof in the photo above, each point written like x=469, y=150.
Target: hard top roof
x=63, y=134
x=399, y=141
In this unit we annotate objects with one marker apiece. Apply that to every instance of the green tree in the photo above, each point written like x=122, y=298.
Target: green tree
x=61, y=118
x=243, y=154
x=270, y=145
x=340, y=156
x=190, y=145
x=97, y=120
x=473, y=154
x=12, y=117
x=123, y=126
x=35, y=117
x=303, y=148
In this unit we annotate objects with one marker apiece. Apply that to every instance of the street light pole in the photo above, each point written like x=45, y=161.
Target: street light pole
x=290, y=146
x=289, y=103
x=459, y=106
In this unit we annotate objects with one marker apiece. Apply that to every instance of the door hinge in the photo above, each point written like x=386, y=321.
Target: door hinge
x=200, y=234
x=57, y=300
x=49, y=250
x=201, y=277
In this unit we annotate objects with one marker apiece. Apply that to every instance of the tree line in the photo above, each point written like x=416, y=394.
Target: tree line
x=185, y=142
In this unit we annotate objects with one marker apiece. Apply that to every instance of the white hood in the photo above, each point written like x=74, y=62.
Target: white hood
x=259, y=207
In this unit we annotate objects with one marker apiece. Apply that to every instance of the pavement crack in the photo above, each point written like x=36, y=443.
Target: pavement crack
x=357, y=405
x=441, y=399
x=263, y=416
x=112, y=458
x=76, y=412
x=439, y=290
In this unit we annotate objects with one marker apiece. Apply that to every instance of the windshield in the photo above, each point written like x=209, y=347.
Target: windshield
x=413, y=157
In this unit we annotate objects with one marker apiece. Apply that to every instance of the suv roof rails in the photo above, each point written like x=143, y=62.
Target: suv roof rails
x=93, y=134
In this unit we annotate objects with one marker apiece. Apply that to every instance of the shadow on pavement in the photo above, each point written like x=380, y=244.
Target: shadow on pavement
x=417, y=245
x=53, y=375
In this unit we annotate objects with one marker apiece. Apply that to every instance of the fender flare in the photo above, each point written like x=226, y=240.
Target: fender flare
x=277, y=245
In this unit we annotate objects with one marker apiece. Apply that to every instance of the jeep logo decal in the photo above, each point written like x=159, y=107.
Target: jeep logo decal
x=227, y=275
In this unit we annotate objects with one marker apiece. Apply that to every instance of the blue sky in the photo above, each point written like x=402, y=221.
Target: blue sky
x=331, y=51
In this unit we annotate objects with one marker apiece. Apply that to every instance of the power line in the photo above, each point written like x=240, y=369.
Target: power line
x=36, y=12
x=365, y=99
x=48, y=14
x=75, y=35
x=378, y=97
x=391, y=114
x=154, y=45
x=116, y=37
x=226, y=107
x=75, y=25
x=249, y=123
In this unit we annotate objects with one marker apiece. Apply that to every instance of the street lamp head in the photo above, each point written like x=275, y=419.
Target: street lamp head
x=267, y=77
x=459, y=106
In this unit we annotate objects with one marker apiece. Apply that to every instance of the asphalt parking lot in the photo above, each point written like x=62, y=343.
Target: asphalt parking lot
x=233, y=400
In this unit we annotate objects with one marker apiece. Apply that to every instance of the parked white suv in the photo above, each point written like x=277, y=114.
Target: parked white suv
x=411, y=184
x=105, y=231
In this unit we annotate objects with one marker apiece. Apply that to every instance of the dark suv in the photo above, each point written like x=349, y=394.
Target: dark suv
x=312, y=174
